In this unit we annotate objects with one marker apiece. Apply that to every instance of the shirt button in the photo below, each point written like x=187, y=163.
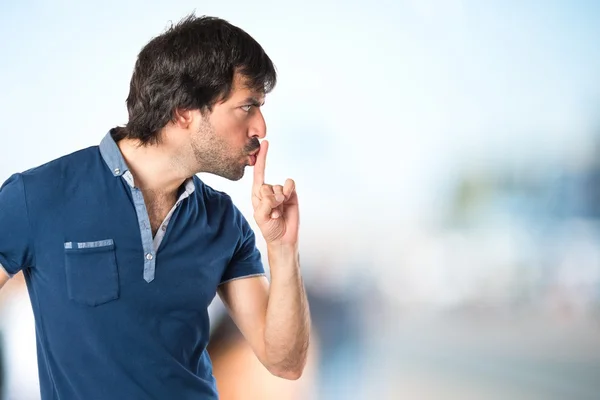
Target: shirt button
x=164, y=228
x=117, y=171
x=149, y=256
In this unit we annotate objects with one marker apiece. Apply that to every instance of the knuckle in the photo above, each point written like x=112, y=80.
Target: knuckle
x=266, y=189
x=267, y=200
x=272, y=201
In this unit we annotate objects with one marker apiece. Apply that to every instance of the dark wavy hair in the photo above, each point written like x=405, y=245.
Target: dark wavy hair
x=191, y=66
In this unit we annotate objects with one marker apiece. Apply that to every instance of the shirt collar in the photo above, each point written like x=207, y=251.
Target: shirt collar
x=114, y=160
x=112, y=155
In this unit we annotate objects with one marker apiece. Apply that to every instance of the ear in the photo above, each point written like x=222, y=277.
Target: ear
x=183, y=118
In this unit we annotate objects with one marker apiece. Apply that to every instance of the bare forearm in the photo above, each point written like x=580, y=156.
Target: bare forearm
x=287, y=328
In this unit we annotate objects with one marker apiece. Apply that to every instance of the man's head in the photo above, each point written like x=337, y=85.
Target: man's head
x=198, y=88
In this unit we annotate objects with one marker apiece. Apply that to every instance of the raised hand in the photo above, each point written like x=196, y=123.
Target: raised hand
x=275, y=206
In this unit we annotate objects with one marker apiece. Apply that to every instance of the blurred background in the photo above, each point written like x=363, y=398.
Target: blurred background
x=447, y=158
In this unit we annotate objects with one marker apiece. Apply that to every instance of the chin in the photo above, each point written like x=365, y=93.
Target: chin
x=231, y=173
x=233, y=176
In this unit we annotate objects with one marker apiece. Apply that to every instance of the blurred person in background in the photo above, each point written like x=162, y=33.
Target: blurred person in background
x=120, y=317
x=240, y=376
x=18, y=374
x=346, y=313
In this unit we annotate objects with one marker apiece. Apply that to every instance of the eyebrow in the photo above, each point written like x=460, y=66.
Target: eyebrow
x=255, y=101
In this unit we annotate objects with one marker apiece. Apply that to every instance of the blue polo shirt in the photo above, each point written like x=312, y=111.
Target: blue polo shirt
x=120, y=313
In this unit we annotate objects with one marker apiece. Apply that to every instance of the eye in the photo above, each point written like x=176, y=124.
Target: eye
x=246, y=108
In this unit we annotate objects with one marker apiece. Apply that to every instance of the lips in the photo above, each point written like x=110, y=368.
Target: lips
x=253, y=156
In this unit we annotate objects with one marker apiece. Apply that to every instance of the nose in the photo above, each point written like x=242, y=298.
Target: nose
x=258, y=126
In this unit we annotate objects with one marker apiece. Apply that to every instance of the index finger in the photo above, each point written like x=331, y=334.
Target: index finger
x=259, y=166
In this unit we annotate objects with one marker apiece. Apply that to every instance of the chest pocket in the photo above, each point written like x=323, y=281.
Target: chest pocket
x=91, y=271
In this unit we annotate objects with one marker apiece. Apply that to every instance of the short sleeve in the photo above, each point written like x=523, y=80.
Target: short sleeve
x=16, y=252
x=246, y=260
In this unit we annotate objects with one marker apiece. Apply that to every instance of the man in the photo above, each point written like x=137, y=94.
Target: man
x=123, y=247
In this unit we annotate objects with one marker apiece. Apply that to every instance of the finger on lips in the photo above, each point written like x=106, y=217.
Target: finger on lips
x=271, y=196
x=259, y=166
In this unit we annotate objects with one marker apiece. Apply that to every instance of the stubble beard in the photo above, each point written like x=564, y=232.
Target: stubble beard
x=213, y=155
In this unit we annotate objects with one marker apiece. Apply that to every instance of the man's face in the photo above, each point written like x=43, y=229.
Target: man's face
x=226, y=140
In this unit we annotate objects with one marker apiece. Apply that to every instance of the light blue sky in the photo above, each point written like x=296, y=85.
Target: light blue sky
x=378, y=103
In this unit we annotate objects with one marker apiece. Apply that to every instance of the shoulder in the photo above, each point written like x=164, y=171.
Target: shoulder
x=54, y=178
x=213, y=197
x=64, y=166
x=219, y=203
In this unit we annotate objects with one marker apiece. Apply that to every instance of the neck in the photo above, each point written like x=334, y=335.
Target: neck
x=154, y=167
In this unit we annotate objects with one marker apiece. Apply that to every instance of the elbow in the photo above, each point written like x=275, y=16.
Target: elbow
x=290, y=368
x=288, y=364
x=289, y=373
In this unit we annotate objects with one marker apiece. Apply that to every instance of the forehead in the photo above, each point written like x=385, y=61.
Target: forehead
x=242, y=89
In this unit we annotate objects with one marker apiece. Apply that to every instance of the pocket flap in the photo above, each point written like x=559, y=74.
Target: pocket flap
x=89, y=245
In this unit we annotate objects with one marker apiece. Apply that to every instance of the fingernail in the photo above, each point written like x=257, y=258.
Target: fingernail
x=279, y=197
